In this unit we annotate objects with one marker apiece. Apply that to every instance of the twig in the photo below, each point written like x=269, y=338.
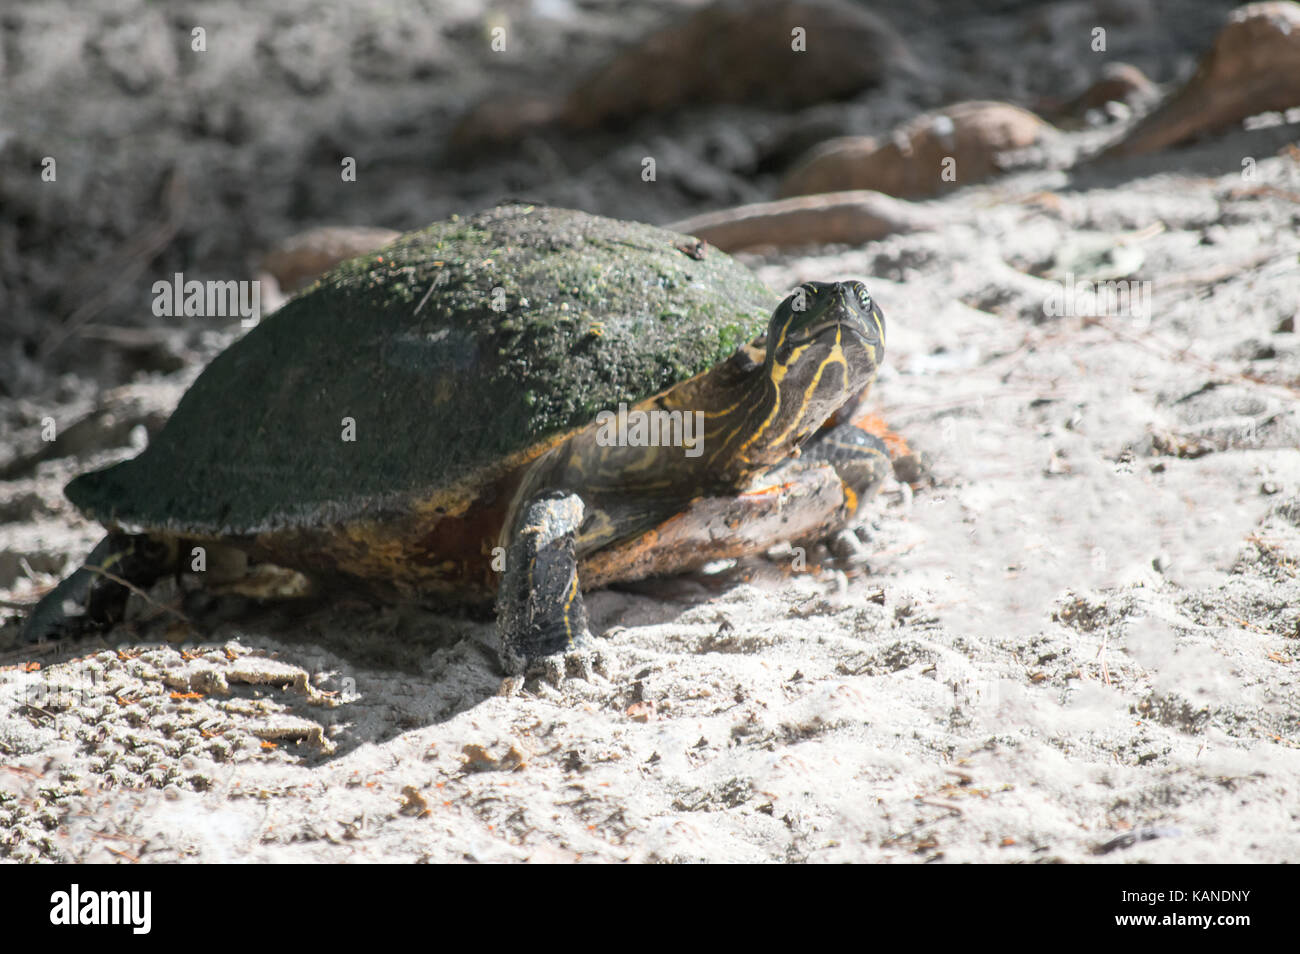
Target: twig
x=1101, y=654
x=140, y=593
x=957, y=812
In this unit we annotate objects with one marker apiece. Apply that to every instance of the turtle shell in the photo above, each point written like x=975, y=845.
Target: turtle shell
x=449, y=357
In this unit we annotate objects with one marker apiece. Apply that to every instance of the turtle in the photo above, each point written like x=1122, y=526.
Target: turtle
x=500, y=411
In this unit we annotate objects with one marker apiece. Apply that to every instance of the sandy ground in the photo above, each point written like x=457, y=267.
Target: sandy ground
x=1085, y=629
x=1075, y=640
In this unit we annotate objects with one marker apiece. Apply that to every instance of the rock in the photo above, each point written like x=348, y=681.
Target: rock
x=500, y=757
x=912, y=162
x=1131, y=838
x=848, y=217
x=413, y=801
x=1253, y=67
x=643, y=711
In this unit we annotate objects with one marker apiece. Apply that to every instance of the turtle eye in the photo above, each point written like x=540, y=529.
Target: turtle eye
x=864, y=297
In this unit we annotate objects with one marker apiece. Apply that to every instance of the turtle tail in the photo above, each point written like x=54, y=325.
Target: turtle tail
x=94, y=596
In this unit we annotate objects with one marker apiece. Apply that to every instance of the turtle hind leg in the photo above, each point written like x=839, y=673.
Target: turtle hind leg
x=136, y=558
x=540, y=612
x=860, y=458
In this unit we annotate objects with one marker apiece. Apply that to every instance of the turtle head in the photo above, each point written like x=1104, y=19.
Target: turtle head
x=824, y=344
x=824, y=312
x=826, y=321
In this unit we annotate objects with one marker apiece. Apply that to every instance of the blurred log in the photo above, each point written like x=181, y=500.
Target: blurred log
x=732, y=51
x=850, y=218
x=302, y=258
x=1253, y=67
x=912, y=161
x=1118, y=83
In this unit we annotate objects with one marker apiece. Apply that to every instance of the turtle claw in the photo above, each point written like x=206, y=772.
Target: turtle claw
x=586, y=665
x=583, y=670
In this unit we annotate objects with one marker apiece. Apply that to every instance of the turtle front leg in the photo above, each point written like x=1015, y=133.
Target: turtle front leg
x=859, y=457
x=540, y=613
